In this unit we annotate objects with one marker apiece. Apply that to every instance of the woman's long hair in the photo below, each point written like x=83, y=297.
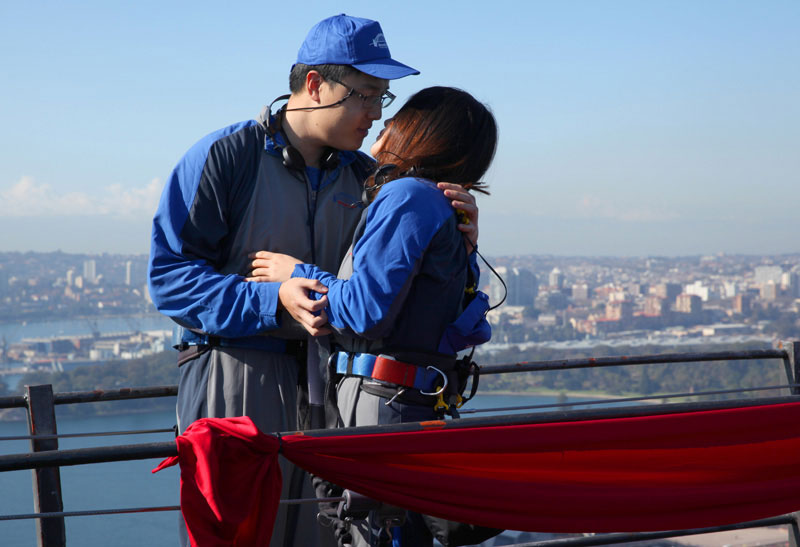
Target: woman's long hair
x=441, y=134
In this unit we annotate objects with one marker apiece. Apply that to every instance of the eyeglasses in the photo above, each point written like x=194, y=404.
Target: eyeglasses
x=368, y=101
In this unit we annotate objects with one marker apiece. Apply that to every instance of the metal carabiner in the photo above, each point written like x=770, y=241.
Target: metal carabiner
x=441, y=389
x=395, y=396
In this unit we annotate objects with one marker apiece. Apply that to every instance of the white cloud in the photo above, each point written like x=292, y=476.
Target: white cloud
x=594, y=207
x=27, y=198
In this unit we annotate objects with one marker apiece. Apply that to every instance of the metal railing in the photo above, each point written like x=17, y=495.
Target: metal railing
x=45, y=459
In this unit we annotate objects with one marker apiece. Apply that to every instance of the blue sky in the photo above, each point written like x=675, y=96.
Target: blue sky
x=626, y=127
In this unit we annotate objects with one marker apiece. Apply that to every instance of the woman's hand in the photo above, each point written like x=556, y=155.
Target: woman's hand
x=462, y=200
x=267, y=266
x=310, y=313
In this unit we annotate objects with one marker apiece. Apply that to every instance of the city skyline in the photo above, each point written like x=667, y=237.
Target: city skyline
x=626, y=128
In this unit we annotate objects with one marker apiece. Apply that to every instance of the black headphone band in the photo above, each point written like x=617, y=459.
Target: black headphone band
x=292, y=158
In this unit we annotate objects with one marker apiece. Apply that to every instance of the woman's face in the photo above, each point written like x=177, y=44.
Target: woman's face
x=378, y=144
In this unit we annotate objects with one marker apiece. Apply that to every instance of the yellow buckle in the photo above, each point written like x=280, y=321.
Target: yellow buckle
x=440, y=404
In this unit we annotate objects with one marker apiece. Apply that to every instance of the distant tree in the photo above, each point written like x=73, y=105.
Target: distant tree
x=668, y=378
x=155, y=370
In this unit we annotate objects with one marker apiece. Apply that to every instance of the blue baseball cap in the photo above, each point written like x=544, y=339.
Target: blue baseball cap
x=345, y=40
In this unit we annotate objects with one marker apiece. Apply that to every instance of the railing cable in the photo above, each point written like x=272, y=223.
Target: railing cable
x=624, y=399
x=93, y=512
x=77, y=435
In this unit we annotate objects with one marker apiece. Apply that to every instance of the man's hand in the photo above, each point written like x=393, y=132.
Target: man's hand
x=310, y=313
x=464, y=201
x=267, y=266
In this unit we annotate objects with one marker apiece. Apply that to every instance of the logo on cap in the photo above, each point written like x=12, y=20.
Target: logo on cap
x=380, y=41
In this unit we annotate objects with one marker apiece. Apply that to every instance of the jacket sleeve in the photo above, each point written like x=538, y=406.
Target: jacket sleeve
x=188, y=247
x=401, y=223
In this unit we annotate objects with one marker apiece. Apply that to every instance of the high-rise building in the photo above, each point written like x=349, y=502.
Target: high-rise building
x=70, y=277
x=3, y=282
x=790, y=282
x=654, y=306
x=688, y=303
x=668, y=291
x=741, y=304
x=698, y=289
x=764, y=274
x=580, y=292
x=556, y=279
x=89, y=271
x=620, y=310
x=636, y=289
x=128, y=272
x=521, y=284
x=551, y=300
x=769, y=291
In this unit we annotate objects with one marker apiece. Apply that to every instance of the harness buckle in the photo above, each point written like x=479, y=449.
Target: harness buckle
x=440, y=404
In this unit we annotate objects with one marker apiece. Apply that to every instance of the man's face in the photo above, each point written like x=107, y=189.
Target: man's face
x=345, y=126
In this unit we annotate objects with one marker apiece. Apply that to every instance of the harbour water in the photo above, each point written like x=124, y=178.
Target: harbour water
x=99, y=486
x=123, y=484
x=15, y=332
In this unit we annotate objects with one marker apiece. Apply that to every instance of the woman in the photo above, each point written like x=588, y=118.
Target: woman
x=405, y=300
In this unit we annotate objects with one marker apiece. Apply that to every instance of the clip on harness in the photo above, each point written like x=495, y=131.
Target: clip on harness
x=429, y=380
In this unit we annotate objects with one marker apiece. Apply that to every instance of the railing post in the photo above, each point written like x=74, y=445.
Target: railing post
x=792, y=363
x=794, y=531
x=50, y=532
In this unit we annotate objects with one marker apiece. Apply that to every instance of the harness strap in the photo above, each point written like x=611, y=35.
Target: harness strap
x=387, y=369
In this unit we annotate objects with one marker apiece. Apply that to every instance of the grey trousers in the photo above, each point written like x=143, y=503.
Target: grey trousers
x=228, y=382
x=356, y=407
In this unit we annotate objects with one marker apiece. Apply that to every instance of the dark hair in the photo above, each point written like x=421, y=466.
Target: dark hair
x=297, y=77
x=441, y=134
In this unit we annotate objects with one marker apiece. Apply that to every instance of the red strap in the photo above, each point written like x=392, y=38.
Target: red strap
x=395, y=372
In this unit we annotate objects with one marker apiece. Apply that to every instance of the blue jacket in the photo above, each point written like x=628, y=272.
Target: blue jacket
x=402, y=287
x=231, y=195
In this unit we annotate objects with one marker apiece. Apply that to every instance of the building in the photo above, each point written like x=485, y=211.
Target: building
x=521, y=284
x=698, y=289
x=688, y=303
x=580, y=292
x=619, y=310
x=763, y=274
x=741, y=304
x=769, y=291
x=729, y=289
x=636, y=289
x=654, y=306
x=790, y=282
x=668, y=291
x=90, y=271
x=3, y=282
x=552, y=300
x=128, y=272
x=556, y=279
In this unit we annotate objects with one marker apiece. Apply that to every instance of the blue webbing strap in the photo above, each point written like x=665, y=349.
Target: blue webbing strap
x=363, y=364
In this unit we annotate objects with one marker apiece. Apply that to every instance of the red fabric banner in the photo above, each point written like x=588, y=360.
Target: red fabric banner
x=644, y=473
x=230, y=482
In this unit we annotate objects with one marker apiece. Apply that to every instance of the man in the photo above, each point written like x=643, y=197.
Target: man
x=289, y=182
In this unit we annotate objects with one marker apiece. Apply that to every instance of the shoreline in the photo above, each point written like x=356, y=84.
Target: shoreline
x=555, y=393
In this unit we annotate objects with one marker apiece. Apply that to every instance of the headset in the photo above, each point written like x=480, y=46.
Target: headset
x=292, y=158
x=378, y=181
